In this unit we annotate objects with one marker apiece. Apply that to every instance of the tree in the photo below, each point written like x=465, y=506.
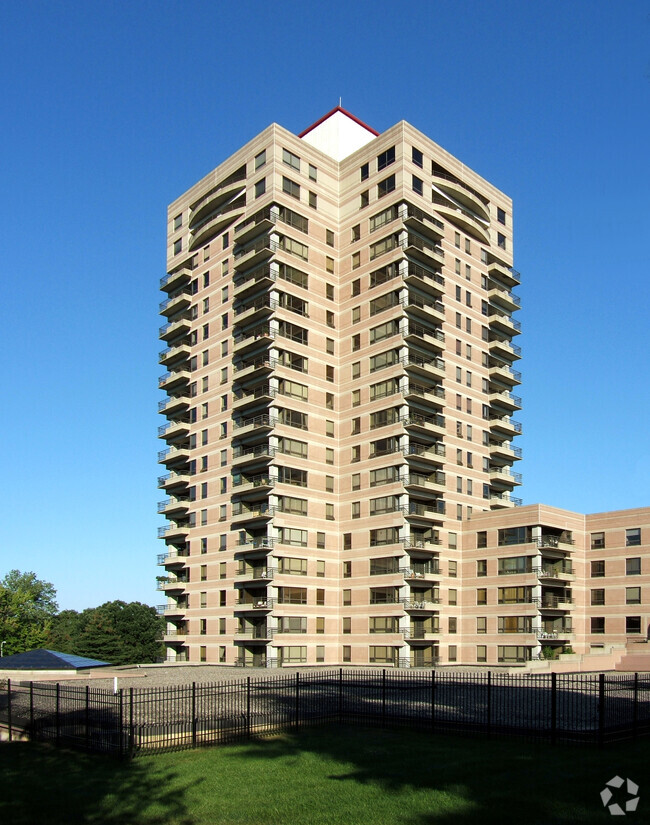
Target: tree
x=117, y=632
x=27, y=607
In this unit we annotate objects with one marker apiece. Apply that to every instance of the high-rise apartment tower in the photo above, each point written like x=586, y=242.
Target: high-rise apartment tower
x=340, y=350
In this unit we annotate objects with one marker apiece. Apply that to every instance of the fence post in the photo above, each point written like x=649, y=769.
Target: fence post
x=9, y=708
x=635, y=706
x=553, y=707
x=31, y=709
x=58, y=712
x=297, y=697
x=383, y=696
x=193, y=714
x=489, y=702
x=87, y=717
x=433, y=698
x=601, y=708
x=248, y=707
x=121, y=723
x=131, y=724
x=340, y=695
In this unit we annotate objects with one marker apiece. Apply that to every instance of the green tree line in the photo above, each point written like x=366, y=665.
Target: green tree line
x=117, y=632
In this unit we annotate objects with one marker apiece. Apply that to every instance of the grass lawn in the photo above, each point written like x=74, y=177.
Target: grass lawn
x=323, y=776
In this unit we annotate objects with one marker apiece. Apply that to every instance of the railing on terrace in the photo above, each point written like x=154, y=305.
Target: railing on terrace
x=420, y=303
x=257, y=421
x=505, y=317
x=253, y=452
x=436, y=448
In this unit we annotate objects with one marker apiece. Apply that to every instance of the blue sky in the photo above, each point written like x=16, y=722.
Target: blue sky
x=110, y=110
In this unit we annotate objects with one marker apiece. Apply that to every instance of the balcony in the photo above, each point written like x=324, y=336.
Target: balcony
x=503, y=475
x=259, y=423
x=218, y=195
x=434, y=366
x=420, y=635
x=422, y=249
x=177, y=279
x=176, y=303
x=416, y=604
x=174, y=430
x=424, y=280
x=504, y=348
x=172, y=557
x=167, y=583
x=503, y=322
x=430, y=337
x=250, y=604
x=255, y=545
x=258, y=455
x=174, y=455
x=424, y=423
x=423, y=223
x=504, y=273
x=434, y=394
x=176, y=328
x=504, y=425
x=256, y=574
x=254, y=367
x=505, y=399
x=243, y=398
x=172, y=355
x=254, y=310
x=176, y=636
x=252, y=254
x=174, y=380
x=555, y=602
x=556, y=542
x=460, y=214
x=463, y=193
x=428, y=509
x=253, y=281
x=174, y=480
x=254, y=634
x=244, y=484
x=504, y=450
x=501, y=297
x=435, y=482
x=430, y=453
x=176, y=404
x=503, y=500
x=552, y=571
x=426, y=308
x=420, y=572
x=416, y=542
x=505, y=374
x=261, y=222
x=174, y=505
x=215, y=221
x=255, y=512
x=177, y=609
x=171, y=532
x=251, y=339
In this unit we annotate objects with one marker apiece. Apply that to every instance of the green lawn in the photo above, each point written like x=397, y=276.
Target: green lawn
x=322, y=776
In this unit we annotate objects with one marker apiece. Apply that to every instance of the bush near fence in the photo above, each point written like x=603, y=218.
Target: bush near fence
x=579, y=707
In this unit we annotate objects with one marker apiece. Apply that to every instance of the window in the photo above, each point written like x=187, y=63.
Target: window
x=356, y=481
x=633, y=537
x=385, y=158
x=347, y=624
x=295, y=506
x=453, y=569
x=329, y=429
x=417, y=157
x=347, y=597
x=632, y=595
x=364, y=199
x=329, y=401
x=418, y=185
x=356, y=232
x=329, y=264
x=385, y=186
x=290, y=566
x=329, y=455
x=320, y=540
x=501, y=241
x=356, y=263
x=597, y=541
x=290, y=187
x=597, y=569
x=329, y=512
x=633, y=567
x=501, y=215
x=633, y=624
x=356, y=426
x=452, y=653
x=597, y=624
x=291, y=160
x=365, y=171
x=453, y=624
x=313, y=200
x=260, y=188
x=598, y=597
x=453, y=596
x=481, y=624
x=356, y=398
x=313, y=172
x=260, y=159
x=481, y=567
x=481, y=653
x=329, y=373
x=356, y=369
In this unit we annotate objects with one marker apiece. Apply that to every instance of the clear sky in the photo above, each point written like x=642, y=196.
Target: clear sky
x=110, y=110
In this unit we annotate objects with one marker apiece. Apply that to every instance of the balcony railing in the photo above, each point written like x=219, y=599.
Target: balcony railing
x=256, y=604
x=417, y=420
x=261, y=480
x=253, y=452
x=507, y=421
x=503, y=316
x=418, y=361
x=257, y=421
x=257, y=573
x=436, y=448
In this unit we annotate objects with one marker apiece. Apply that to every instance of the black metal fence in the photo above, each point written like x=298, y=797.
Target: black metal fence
x=597, y=708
